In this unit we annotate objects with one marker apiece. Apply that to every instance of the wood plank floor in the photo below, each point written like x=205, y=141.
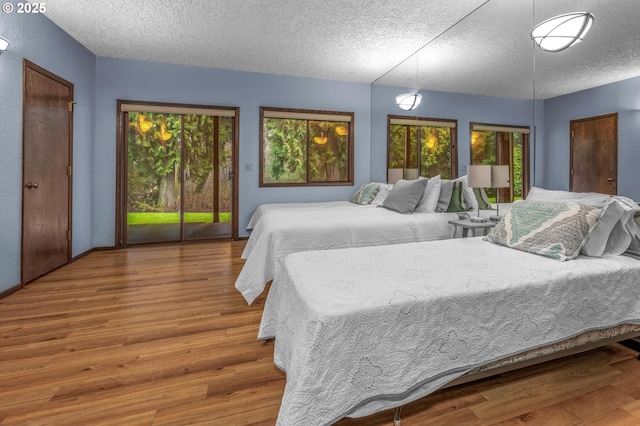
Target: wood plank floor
x=160, y=336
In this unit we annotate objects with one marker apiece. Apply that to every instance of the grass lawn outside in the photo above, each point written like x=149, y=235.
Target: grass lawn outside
x=151, y=218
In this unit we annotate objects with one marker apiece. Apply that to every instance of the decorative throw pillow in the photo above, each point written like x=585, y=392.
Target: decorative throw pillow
x=366, y=193
x=614, y=230
x=382, y=193
x=404, y=195
x=554, y=229
x=468, y=196
x=482, y=199
x=429, y=200
x=451, y=197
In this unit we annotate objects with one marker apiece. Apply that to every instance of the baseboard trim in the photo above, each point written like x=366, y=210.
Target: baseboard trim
x=10, y=290
x=91, y=250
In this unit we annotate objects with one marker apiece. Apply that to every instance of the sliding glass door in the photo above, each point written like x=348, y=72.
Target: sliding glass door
x=207, y=175
x=178, y=176
x=503, y=145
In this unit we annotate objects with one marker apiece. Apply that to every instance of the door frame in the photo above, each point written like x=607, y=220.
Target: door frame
x=26, y=64
x=526, y=146
x=615, y=147
x=121, y=162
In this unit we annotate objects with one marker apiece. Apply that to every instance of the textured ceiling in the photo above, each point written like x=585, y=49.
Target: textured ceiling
x=465, y=46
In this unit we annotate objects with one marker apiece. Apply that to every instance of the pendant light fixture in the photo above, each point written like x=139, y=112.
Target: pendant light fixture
x=409, y=101
x=562, y=31
x=4, y=44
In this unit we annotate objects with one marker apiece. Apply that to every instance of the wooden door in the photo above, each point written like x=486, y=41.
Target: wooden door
x=46, y=171
x=594, y=155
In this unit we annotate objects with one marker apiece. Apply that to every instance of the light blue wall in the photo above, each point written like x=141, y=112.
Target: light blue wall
x=37, y=39
x=622, y=97
x=147, y=81
x=465, y=108
x=99, y=82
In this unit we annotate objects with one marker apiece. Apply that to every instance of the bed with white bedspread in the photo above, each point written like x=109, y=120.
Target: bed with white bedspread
x=361, y=330
x=280, y=233
x=333, y=206
x=377, y=217
x=364, y=329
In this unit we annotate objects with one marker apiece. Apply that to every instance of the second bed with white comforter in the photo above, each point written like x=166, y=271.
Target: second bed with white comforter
x=282, y=231
x=360, y=330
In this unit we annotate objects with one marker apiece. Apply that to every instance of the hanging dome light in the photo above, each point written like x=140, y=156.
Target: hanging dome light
x=562, y=31
x=409, y=101
x=4, y=44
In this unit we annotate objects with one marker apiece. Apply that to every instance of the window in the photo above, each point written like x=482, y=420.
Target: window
x=507, y=145
x=421, y=147
x=301, y=147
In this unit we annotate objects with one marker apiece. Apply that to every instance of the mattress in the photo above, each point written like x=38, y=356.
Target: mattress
x=362, y=330
x=278, y=234
x=264, y=209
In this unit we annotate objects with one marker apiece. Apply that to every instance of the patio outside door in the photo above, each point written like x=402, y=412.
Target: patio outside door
x=180, y=175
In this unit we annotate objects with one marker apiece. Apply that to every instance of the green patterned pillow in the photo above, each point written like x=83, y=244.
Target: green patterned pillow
x=553, y=229
x=366, y=193
x=483, y=200
x=451, y=197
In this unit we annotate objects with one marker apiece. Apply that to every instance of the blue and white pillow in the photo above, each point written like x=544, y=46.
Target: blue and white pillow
x=557, y=230
x=366, y=193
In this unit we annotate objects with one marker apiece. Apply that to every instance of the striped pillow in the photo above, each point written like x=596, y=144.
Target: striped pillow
x=366, y=193
x=554, y=229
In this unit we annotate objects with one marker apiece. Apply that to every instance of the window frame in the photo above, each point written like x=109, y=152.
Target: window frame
x=526, y=144
x=123, y=106
x=308, y=115
x=433, y=122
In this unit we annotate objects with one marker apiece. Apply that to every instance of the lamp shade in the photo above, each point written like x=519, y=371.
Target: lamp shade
x=411, y=174
x=562, y=31
x=484, y=176
x=409, y=101
x=479, y=176
x=394, y=175
x=500, y=176
x=4, y=43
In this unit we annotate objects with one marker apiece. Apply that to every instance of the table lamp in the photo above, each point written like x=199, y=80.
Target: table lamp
x=485, y=176
x=478, y=176
x=499, y=179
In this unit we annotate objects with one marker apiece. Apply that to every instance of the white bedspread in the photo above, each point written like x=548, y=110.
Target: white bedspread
x=361, y=330
x=287, y=207
x=280, y=233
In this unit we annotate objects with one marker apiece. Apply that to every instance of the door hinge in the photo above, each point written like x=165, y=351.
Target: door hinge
x=70, y=106
x=571, y=172
x=68, y=170
x=572, y=133
x=69, y=235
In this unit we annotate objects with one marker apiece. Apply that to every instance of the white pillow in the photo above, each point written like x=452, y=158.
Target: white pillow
x=541, y=194
x=429, y=200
